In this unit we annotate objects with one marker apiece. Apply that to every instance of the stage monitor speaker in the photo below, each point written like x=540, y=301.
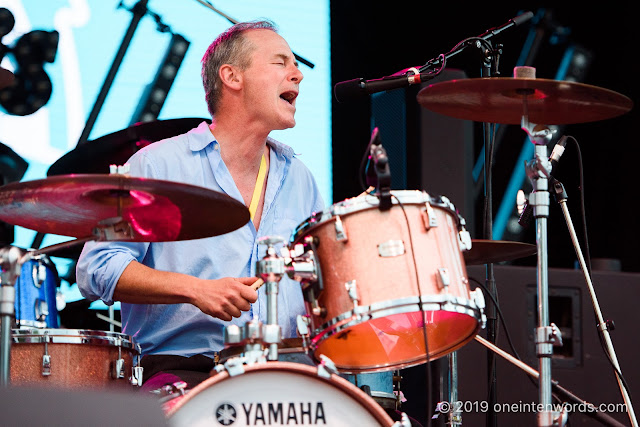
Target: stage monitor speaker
x=580, y=365
x=426, y=150
x=47, y=406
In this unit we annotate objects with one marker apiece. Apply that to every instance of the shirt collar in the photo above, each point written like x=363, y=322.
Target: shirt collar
x=201, y=137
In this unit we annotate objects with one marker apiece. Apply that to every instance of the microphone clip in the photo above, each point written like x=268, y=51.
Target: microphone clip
x=379, y=176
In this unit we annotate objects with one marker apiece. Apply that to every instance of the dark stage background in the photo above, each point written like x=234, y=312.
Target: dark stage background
x=372, y=41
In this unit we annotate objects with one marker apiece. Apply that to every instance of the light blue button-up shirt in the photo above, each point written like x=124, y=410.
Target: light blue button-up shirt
x=182, y=329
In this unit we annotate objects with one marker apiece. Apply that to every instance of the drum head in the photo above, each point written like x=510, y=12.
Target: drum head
x=276, y=393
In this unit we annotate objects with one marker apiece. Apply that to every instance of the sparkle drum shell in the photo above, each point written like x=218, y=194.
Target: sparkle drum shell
x=78, y=358
x=383, y=276
x=275, y=393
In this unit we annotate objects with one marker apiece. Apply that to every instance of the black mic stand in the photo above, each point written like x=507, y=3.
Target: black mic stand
x=603, y=326
x=234, y=22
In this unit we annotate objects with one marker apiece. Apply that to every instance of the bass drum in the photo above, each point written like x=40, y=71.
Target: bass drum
x=275, y=393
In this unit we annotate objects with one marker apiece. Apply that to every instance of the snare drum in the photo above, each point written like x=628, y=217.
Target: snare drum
x=36, y=289
x=72, y=358
x=389, y=281
x=275, y=393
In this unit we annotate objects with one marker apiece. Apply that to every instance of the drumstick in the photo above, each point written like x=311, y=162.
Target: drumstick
x=257, y=284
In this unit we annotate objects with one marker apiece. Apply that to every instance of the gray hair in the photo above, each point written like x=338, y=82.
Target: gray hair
x=230, y=47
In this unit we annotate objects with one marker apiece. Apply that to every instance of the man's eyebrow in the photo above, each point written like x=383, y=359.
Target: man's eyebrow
x=286, y=57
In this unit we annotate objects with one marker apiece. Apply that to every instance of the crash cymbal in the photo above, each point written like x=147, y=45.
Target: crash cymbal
x=115, y=148
x=491, y=251
x=501, y=99
x=153, y=210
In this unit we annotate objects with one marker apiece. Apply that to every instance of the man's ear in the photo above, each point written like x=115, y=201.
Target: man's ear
x=230, y=76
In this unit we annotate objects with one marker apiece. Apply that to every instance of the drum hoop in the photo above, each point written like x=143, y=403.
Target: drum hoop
x=383, y=309
x=73, y=336
x=31, y=323
x=399, y=306
x=361, y=203
x=344, y=385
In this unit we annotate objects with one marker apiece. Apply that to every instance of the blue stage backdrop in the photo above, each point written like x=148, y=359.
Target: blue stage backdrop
x=90, y=34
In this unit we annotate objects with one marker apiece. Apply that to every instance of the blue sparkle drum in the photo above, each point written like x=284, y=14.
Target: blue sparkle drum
x=36, y=290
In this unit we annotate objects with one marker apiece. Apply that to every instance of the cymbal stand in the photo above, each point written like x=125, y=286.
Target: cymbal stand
x=546, y=335
x=589, y=409
x=10, y=267
x=603, y=326
x=271, y=268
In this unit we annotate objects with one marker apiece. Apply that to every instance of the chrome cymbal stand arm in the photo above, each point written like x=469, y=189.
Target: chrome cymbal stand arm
x=271, y=268
x=10, y=267
x=602, y=325
x=538, y=171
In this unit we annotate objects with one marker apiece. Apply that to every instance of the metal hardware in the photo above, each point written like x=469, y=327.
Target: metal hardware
x=341, y=233
x=391, y=248
x=46, y=358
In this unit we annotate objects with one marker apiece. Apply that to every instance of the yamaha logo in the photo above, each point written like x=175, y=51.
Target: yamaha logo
x=226, y=414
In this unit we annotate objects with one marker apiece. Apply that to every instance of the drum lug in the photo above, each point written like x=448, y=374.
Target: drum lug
x=352, y=291
x=38, y=273
x=302, y=325
x=117, y=367
x=444, y=278
x=326, y=367
x=341, y=233
x=46, y=358
x=465, y=239
x=136, y=376
x=41, y=310
x=428, y=216
x=234, y=366
x=478, y=298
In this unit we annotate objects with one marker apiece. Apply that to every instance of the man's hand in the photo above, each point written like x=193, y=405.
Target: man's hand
x=225, y=298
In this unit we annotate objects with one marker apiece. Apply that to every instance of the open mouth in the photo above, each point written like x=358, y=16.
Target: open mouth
x=289, y=96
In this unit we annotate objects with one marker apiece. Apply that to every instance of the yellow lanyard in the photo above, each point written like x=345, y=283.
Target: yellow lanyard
x=257, y=191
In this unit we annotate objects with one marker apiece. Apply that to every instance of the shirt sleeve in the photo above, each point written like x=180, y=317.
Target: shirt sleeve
x=101, y=264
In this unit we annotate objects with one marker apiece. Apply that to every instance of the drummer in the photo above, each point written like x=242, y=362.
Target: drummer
x=177, y=297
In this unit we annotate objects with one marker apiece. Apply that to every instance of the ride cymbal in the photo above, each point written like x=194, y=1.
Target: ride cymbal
x=501, y=100
x=491, y=251
x=109, y=206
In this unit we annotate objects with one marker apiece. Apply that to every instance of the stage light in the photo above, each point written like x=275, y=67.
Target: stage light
x=156, y=92
x=31, y=88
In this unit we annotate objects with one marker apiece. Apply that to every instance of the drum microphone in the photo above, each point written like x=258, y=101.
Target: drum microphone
x=525, y=210
x=558, y=151
x=357, y=88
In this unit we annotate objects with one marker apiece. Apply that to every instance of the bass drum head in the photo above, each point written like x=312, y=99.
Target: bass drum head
x=275, y=393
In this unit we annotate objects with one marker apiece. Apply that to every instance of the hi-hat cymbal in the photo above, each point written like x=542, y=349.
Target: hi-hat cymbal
x=155, y=210
x=491, y=251
x=116, y=148
x=501, y=100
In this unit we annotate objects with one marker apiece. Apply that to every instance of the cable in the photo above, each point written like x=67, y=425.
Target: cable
x=424, y=323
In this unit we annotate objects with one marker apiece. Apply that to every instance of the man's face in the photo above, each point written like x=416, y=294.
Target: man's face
x=271, y=81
